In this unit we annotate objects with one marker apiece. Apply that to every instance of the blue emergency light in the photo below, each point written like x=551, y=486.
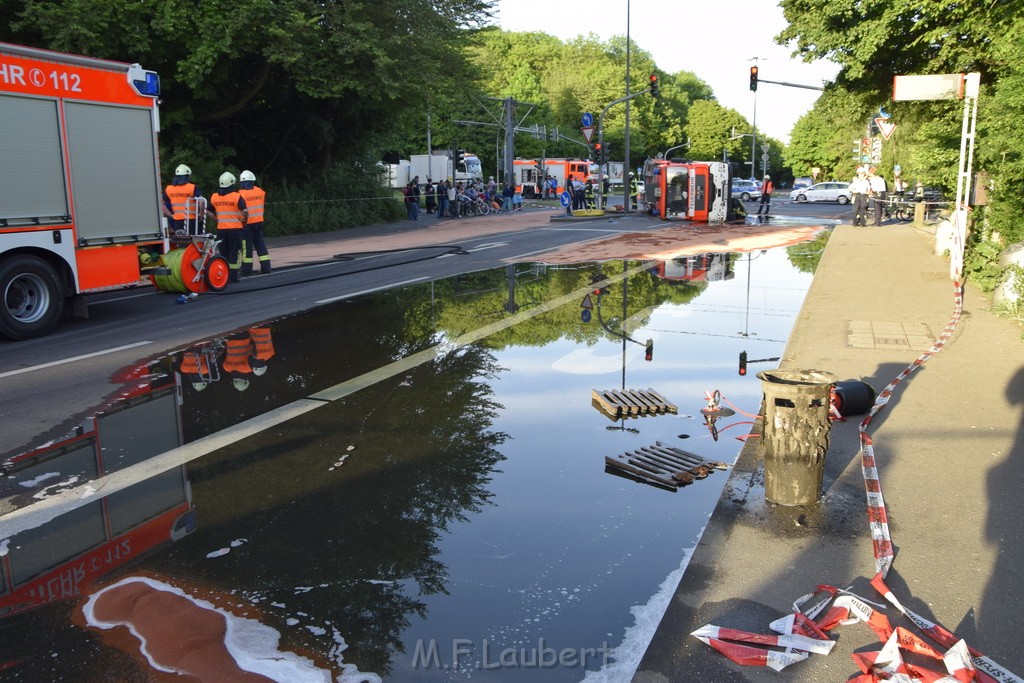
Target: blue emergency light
x=144, y=82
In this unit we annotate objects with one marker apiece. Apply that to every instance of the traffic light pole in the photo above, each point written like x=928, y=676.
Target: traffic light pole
x=600, y=140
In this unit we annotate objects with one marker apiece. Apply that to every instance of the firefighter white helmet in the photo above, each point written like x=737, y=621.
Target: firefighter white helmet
x=182, y=170
x=247, y=177
x=227, y=179
x=240, y=383
x=767, y=177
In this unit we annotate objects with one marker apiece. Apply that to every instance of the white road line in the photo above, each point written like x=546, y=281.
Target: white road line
x=73, y=359
x=370, y=291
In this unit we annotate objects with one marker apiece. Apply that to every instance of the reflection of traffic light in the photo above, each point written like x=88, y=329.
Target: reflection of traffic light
x=598, y=291
x=649, y=350
x=743, y=363
x=753, y=78
x=654, y=85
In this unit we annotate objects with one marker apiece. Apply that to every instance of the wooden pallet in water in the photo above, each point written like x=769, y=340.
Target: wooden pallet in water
x=664, y=466
x=630, y=403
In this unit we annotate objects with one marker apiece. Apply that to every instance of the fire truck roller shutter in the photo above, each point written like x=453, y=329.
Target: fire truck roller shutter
x=32, y=168
x=113, y=161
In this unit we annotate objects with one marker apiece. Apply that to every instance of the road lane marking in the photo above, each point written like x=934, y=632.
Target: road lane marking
x=370, y=291
x=115, y=349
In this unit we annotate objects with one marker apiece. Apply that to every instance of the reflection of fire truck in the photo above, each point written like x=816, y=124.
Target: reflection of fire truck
x=530, y=173
x=688, y=190
x=80, y=188
x=61, y=558
x=700, y=268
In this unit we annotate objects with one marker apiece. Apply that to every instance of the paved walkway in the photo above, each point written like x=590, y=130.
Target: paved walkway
x=950, y=454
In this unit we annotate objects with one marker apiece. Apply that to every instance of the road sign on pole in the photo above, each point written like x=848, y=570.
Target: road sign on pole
x=587, y=120
x=588, y=132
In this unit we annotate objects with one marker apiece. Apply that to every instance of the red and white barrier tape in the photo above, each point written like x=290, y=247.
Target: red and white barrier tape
x=878, y=518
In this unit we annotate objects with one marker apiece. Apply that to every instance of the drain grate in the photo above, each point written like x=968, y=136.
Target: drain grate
x=664, y=466
x=864, y=334
x=630, y=403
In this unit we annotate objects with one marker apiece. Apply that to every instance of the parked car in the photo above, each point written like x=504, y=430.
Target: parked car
x=745, y=190
x=832, y=191
x=801, y=183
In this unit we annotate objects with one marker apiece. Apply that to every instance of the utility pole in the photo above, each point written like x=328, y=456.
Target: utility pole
x=510, y=137
x=626, y=184
x=753, y=123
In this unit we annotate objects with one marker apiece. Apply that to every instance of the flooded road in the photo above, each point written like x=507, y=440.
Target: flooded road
x=408, y=485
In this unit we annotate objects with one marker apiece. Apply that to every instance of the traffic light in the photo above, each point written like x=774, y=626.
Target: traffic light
x=460, y=156
x=743, y=363
x=753, y=78
x=654, y=85
x=649, y=350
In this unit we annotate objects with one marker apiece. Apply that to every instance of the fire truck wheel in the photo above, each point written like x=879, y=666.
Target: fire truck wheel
x=217, y=274
x=32, y=301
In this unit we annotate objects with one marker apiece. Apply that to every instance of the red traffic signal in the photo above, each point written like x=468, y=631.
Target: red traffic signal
x=654, y=85
x=753, y=78
x=743, y=363
x=649, y=350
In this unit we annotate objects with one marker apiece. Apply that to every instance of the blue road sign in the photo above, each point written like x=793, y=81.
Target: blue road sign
x=565, y=198
x=588, y=120
x=585, y=315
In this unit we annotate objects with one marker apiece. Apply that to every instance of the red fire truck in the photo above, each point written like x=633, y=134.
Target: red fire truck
x=530, y=174
x=80, y=189
x=60, y=559
x=687, y=190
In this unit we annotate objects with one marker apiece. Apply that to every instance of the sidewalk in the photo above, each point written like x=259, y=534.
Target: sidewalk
x=950, y=453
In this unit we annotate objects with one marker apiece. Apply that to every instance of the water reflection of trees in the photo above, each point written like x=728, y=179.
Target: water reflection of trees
x=345, y=340
x=424, y=456
x=806, y=256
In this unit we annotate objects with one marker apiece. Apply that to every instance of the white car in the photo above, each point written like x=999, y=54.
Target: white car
x=832, y=191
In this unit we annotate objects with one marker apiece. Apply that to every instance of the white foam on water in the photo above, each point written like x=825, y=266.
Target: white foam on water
x=31, y=483
x=218, y=553
x=630, y=651
x=3, y=546
x=253, y=645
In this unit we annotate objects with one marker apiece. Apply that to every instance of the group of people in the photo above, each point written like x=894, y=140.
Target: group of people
x=237, y=206
x=448, y=199
x=868, y=186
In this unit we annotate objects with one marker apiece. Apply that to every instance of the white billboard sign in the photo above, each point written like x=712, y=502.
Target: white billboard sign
x=932, y=87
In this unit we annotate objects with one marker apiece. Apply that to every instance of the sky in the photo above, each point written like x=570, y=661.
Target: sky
x=716, y=40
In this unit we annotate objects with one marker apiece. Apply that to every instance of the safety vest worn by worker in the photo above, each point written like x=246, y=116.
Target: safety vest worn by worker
x=179, y=196
x=768, y=187
x=229, y=216
x=254, y=201
x=634, y=188
x=236, y=356
x=264, y=345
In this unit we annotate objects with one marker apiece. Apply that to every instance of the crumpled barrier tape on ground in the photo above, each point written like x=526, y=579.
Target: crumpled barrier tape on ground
x=878, y=518
x=986, y=668
x=754, y=656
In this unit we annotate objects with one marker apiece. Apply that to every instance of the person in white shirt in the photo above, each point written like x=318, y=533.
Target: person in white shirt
x=859, y=189
x=879, y=193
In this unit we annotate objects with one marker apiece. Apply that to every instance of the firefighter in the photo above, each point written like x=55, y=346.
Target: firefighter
x=252, y=236
x=176, y=195
x=588, y=195
x=230, y=212
x=766, y=195
x=634, y=191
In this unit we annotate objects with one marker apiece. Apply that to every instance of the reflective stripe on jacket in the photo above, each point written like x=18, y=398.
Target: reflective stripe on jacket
x=179, y=196
x=229, y=216
x=264, y=345
x=236, y=355
x=254, y=201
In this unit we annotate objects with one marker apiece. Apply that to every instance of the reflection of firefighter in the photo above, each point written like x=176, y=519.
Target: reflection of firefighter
x=239, y=358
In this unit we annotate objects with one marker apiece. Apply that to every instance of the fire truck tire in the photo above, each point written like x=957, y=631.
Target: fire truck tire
x=31, y=297
x=217, y=274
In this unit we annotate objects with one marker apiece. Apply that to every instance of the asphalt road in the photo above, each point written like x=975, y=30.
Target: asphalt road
x=74, y=370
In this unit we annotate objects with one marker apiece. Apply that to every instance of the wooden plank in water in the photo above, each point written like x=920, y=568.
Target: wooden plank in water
x=641, y=472
x=669, y=407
